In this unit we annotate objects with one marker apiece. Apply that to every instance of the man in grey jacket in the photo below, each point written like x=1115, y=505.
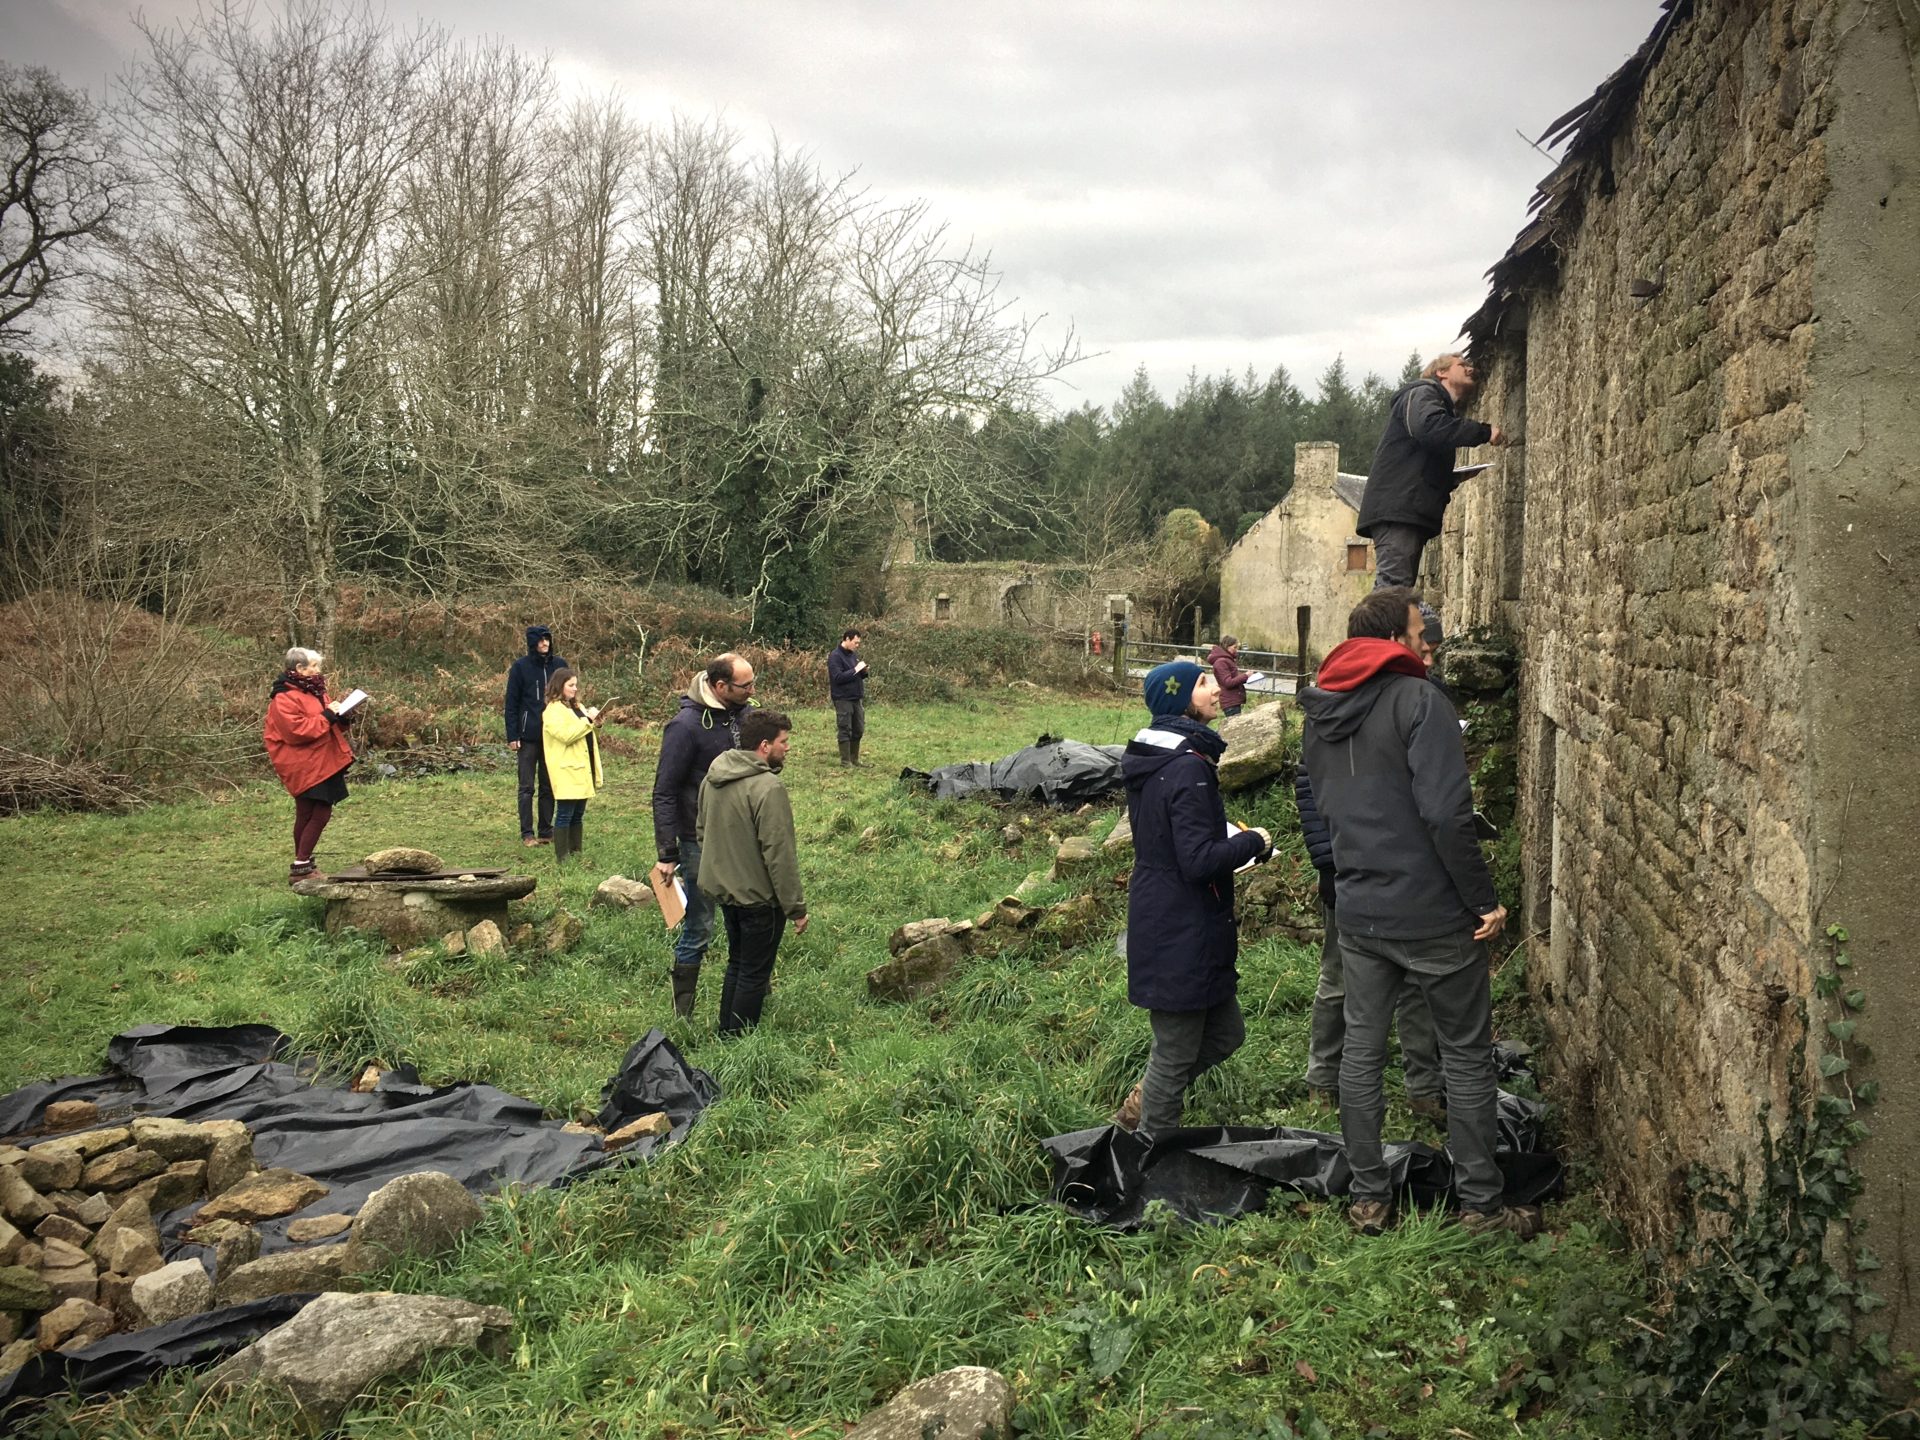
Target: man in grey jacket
x=750, y=861
x=1416, y=902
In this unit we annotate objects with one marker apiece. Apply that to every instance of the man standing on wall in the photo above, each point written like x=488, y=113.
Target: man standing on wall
x=1416, y=902
x=1412, y=475
x=847, y=686
x=526, y=703
x=706, y=726
x=750, y=862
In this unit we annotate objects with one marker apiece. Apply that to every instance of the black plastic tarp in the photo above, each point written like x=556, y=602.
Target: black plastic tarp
x=1058, y=772
x=1109, y=1176
x=354, y=1143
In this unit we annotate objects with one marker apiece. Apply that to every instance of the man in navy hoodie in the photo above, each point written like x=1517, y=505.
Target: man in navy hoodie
x=705, y=727
x=1416, y=902
x=526, y=704
x=1182, y=936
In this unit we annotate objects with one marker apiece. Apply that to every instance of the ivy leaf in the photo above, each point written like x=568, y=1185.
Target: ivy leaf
x=1841, y=1030
x=1832, y=1065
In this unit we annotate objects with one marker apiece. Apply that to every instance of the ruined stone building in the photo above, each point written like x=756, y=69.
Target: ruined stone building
x=1302, y=552
x=1705, y=552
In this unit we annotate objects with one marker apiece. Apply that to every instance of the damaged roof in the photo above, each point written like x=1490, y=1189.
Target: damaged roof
x=1350, y=488
x=1588, y=128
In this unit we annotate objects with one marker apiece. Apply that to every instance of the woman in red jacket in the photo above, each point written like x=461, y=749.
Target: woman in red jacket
x=308, y=747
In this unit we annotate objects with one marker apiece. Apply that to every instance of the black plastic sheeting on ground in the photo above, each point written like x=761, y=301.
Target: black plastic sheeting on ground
x=1058, y=772
x=353, y=1143
x=1213, y=1175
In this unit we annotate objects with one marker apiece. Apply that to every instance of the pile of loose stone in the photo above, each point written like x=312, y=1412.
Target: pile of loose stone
x=81, y=1256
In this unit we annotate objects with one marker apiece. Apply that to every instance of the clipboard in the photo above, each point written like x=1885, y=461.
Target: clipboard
x=670, y=895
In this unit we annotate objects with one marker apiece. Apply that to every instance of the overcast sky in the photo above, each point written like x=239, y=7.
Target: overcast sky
x=1209, y=184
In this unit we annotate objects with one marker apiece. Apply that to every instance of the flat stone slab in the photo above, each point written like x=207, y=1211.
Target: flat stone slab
x=466, y=886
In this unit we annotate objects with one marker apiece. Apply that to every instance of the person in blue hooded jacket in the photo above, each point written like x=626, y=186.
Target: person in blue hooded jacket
x=1182, y=935
x=526, y=705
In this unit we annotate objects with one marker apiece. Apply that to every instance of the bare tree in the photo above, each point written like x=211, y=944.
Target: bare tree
x=272, y=247
x=64, y=185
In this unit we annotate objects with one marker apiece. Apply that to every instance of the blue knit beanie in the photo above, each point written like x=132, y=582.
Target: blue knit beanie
x=1169, y=687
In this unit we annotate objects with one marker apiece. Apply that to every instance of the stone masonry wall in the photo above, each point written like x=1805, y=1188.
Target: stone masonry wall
x=1643, y=546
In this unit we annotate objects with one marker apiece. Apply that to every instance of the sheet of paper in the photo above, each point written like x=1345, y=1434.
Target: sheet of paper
x=1258, y=677
x=1234, y=828
x=353, y=702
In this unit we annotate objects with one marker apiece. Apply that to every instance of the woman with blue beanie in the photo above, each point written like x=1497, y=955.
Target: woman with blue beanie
x=1182, y=937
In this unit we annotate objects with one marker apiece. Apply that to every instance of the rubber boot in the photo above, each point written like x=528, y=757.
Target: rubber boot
x=562, y=845
x=686, y=978
x=579, y=837
x=846, y=754
x=853, y=749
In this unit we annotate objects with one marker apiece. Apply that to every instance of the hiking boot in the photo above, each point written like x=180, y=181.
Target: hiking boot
x=529, y=841
x=302, y=870
x=1370, y=1217
x=1520, y=1221
x=1127, y=1117
x=1428, y=1107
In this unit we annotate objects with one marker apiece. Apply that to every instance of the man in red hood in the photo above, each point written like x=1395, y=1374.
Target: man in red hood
x=1416, y=902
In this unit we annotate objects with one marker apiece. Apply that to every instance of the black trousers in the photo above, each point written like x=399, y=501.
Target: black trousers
x=533, y=777
x=753, y=939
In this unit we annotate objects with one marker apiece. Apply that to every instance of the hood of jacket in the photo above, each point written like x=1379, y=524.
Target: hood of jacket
x=1164, y=741
x=700, y=696
x=1343, y=695
x=1220, y=652
x=535, y=634
x=730, y=766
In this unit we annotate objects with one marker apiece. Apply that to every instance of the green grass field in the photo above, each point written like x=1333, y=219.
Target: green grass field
x=863, y=1206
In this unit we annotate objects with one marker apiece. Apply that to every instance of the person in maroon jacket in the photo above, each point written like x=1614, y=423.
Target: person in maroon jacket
x=307, y=746
x=1225, y=660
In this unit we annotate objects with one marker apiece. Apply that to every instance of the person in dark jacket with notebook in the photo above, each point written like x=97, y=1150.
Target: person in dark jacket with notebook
x=1182, y=936
x=526, y=707
x=1416, y=901
x=847, y=688
x=1412, y=478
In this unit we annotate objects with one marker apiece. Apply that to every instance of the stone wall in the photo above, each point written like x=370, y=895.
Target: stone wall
x=998, y=593
x=1296, y=555
x=1703, y=535
x=1663, y=741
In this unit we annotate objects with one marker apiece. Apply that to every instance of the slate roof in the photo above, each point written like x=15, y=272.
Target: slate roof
x=1559, y=199
x=1349, y=488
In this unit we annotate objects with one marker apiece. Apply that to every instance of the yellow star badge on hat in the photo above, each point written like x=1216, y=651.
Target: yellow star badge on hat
x=1173, y=684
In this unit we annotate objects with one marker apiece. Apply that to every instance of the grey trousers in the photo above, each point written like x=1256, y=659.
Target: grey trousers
x=1451, y=971
x=1186, y=1044
x=1419, y=1051
x=1396, y=554
x=850, y=720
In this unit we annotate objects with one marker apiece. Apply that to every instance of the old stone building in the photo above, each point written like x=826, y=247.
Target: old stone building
x=1302, y=552
x=1705, y=551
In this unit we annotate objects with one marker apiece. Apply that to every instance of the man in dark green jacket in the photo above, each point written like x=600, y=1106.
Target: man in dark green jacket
x=750, y=861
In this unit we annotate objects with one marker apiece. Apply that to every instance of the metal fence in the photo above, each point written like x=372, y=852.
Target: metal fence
x=1277, y=669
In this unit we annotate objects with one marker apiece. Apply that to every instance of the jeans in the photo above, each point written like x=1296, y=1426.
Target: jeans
x=1451, y=972
x=1396, y=554
x=1419, y=1051
x=753, y=939
x=567, y=813
x=1186, y=1044
x=696, y=930
x=1229, y=711
x=533, y=776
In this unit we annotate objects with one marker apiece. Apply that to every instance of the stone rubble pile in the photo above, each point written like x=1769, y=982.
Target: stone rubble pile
x=81, y=1255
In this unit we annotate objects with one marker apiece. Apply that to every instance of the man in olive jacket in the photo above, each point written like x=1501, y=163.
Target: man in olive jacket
x=750, y=861
x=1412, y=478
